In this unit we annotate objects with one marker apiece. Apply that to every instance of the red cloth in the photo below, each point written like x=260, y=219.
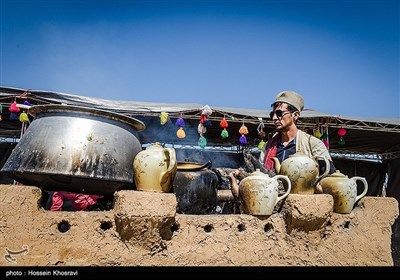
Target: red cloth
x=270, y=152
x=79, y=201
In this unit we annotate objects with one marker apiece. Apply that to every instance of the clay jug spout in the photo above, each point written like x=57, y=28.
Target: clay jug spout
x=235, y=185
x=277, y=165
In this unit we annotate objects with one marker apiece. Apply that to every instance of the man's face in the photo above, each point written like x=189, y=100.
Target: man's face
x=282, y=117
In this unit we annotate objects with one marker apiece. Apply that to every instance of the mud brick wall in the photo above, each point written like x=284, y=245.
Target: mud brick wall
x=143, y=229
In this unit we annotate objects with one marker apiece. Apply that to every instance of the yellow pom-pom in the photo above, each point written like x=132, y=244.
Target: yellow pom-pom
x=163, y=118
x=317, y=133
x=23, y=117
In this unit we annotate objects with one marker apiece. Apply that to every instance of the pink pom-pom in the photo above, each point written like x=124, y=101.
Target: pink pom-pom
x=13, y=107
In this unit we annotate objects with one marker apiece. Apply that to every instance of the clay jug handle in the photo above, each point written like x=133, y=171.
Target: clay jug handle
x=234, y=185
x=364, y=192
x=289, y=184
x=327, y=167
x=170, y=155
x=277, y=164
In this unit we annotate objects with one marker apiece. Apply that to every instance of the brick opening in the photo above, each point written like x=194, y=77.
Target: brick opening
x=103, y=203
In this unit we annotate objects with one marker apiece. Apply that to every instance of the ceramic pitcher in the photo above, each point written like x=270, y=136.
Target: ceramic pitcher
x=155, y=168
x=344, y=190
x=302, y=171
x=259, y=193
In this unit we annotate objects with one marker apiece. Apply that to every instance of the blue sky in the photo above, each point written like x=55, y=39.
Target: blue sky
x=342, y=56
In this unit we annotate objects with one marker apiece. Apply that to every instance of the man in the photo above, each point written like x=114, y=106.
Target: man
x=289, y=139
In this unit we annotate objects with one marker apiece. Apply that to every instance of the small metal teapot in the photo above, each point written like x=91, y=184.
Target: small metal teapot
x=344, y=191
x=302, y=171
x=155, y=168
x=258, y=192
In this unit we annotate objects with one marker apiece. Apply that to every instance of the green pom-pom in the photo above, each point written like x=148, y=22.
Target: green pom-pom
x=202, y=142
x=261, y=144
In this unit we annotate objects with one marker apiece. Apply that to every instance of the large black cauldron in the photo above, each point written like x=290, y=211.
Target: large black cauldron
x=195, y=187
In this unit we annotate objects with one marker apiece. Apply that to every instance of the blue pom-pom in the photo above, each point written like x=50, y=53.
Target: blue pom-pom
x=180, y=122
x=13, y=116
x=208, y=123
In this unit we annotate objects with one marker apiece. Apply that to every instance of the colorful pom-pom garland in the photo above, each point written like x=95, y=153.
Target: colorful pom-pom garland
x=205, y=112
x=13, y=111
x=243, y=131
x=341, y=132
x=224, y=124
x=180, y=122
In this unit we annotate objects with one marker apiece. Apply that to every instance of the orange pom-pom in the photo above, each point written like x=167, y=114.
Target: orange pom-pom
x=243, y=130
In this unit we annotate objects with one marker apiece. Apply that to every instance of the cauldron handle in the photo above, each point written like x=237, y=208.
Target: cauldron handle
x=208, y=164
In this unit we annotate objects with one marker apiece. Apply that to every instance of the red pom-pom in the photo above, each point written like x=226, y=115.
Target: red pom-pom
x=223, y=123
x=203, y=118
x=341, y=132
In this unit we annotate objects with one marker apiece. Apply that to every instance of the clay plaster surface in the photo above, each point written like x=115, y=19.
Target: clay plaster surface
x=143, y=229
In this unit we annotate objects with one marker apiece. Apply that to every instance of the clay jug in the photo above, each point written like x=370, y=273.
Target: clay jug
x=344, y=191
x=258, y=192
x=155, y=168
x=302, y=171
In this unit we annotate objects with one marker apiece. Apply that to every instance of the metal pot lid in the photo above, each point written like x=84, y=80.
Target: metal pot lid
x=51, y=108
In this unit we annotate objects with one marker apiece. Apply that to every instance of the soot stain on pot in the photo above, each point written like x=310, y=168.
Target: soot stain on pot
x=196, y=191
x=109, y=165
x=12, y=165
x=96, y=165
x=35, y=159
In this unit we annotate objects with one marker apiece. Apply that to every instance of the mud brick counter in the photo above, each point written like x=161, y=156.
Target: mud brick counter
x=143, y=229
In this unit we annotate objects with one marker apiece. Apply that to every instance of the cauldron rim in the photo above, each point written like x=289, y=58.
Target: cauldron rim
x=192, y=166
x=49, y=108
